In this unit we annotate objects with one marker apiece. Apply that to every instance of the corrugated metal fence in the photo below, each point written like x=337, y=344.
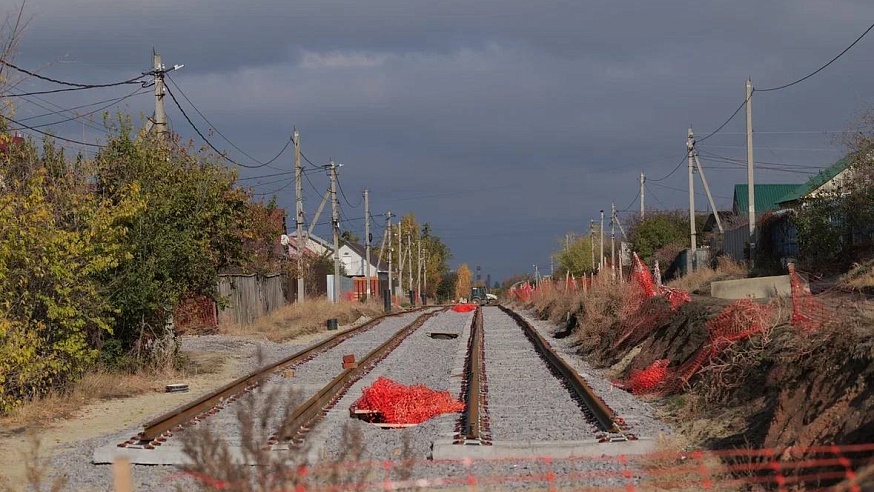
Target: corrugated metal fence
x=248, y=297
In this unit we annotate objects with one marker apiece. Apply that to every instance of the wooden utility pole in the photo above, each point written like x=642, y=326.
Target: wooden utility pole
x=750, y=181
x=642, y=181
x=335, y=224
x=367, y=242
x=298, y=178
x=690, y=260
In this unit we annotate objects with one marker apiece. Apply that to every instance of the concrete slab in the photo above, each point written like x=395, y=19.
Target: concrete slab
x=756, y=288
x=446, y=450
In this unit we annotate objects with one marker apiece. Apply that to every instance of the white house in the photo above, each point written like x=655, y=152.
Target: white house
x=353, y=258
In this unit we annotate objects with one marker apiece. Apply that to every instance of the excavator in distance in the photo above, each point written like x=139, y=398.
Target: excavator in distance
x=482, y=297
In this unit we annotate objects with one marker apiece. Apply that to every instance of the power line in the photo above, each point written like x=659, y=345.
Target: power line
x=49, y=134
x=820, y=69
x=670, y=173
x=632, y=202
x=76, y=86
x=346, y=199
x=646, y=187
x=287, y=143
x=52, y=112
x=197, y=130
x=113, y=102
x=736, y=111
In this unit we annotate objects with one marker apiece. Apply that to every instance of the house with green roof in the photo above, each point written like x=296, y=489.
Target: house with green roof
x=767, y=197
x=828, y=180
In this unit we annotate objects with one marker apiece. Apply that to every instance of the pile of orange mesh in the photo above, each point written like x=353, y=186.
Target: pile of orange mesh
x=464, y=308
x=808, y=313
x=396, y=403
x=737, y=321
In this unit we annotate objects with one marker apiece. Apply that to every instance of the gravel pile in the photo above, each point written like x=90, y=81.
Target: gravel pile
x=524, y=397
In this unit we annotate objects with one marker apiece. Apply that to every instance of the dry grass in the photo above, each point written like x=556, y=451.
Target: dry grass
x=36, y=472
x=859, y=277
x=305, y=318
x=95, y=385
x=674, y=467
x=701, y=279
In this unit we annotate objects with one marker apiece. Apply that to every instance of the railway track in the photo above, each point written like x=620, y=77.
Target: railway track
x=158, y=430
x=515, y=384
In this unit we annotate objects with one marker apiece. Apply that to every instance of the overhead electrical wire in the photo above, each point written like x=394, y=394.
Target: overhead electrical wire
x=62, y=110
x=626, y=209
x=206, y=140
x=820, y=69
x=343, y=193
x=670, y=173
x=135, y=80
x=214, y=128
x=22, y=125
x=111, y=103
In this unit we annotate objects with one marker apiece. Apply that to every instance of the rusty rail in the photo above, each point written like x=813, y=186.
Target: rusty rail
x=473, y=431
x=162, y=425
x=604, y=416
x=307, y=414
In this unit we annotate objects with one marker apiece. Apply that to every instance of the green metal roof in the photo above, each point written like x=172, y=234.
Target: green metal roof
x=767, y=197
x=816, y=181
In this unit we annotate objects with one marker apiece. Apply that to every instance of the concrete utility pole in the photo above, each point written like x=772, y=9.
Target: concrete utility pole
x=298, y=179
x=419, y=271
x=707, y=189
x=613, y=240
x=388, y=233
x=160, y=125
x=690, y=260
x=367, y=242
x=642, y=181
x=410, y=260
x=335, y=223
x=601, y=257
x=750, y=182
x=592, y=241
x=400, y=259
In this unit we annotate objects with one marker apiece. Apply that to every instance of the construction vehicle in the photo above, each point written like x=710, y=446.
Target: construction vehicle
x=481, y=296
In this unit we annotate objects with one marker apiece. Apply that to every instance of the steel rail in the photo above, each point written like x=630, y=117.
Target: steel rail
x=162, y=425
x=304, y=417
x=473, y=393
x=604, y=416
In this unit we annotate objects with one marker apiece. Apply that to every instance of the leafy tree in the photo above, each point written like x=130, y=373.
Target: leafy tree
x=659, y=230
x=574, y=257
x=260, y=233
x=462, y=283
x=56, y=242
x=347, y=237
x=189, y=229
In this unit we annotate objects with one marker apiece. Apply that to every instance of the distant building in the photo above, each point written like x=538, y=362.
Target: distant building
x=354, y=259
x=831, y=179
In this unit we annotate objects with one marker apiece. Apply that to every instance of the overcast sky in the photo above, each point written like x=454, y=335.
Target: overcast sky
x=503, y=124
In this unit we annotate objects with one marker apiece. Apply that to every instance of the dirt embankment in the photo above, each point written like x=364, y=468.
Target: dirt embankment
x=779, y=388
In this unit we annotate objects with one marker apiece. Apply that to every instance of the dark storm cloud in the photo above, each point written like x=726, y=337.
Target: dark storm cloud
x=503, y=123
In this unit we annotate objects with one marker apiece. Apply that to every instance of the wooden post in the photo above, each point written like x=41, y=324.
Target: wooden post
x=121, y=475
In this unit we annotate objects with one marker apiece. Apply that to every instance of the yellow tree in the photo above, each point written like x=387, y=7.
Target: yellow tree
x=462, y=284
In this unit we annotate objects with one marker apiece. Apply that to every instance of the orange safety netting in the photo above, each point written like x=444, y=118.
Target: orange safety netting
x=737, y=321
x=401, y=404
x=464, y=308
x=648, y=379
x=808, y=313
x=643, y=279
x=828, y=467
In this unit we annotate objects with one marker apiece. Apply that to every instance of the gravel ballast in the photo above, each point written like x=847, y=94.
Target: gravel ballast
x=525, y=402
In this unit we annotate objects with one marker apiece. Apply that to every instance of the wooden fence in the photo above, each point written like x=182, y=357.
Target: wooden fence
x=249, y=296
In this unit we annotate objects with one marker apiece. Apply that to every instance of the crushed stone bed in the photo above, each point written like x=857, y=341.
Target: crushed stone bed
x=436, y=364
